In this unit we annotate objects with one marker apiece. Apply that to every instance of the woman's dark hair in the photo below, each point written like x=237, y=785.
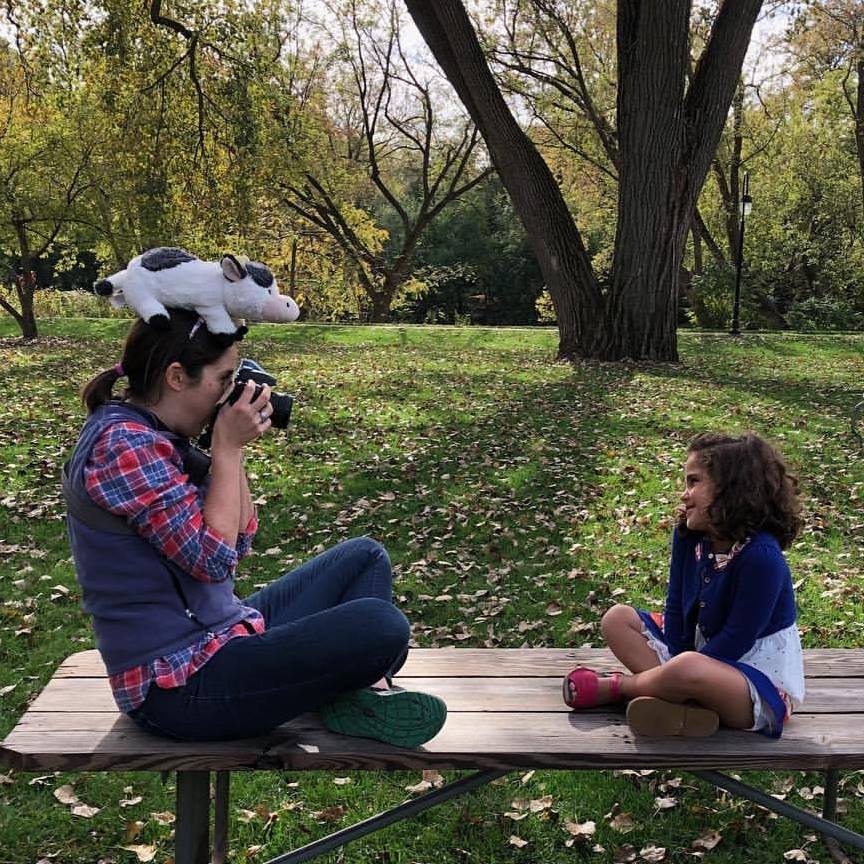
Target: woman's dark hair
x=149, y=351
x=753, y=490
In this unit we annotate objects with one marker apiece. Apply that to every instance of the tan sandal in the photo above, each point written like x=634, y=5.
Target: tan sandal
x=657, y=718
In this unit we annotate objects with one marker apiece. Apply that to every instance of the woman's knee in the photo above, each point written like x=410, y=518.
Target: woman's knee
x=617, y=619
x=366, y=546
x=384, y=624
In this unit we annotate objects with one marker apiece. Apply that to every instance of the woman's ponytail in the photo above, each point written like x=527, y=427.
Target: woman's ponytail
x=99, y=390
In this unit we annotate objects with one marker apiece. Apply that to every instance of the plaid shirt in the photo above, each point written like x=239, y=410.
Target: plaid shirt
x=135, y=472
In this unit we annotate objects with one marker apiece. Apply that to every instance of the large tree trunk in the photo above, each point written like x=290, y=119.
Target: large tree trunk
x=556, y=241
x=859, y=127
x=666, y=143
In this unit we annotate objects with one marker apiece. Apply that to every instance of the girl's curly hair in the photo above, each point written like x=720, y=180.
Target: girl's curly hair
x=753, y=490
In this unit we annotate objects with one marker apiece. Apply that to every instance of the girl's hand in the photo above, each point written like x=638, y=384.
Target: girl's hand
x=244, y=421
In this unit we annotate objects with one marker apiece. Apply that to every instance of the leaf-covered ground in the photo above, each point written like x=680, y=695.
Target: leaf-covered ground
x=518, y=498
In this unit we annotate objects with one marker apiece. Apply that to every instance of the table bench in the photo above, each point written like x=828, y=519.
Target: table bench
x=505, y=713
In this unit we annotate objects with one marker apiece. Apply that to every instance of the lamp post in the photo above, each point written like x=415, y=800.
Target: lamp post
x=746, y=207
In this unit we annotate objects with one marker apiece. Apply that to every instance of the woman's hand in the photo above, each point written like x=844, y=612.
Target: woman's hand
x=244, y=421
x=228, y=503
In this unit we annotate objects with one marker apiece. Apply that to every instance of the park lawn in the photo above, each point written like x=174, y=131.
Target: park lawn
x=518, y=497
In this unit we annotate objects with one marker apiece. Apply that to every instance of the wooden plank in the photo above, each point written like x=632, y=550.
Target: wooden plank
x=508, y=662
x=586, y=740
x=827, y=695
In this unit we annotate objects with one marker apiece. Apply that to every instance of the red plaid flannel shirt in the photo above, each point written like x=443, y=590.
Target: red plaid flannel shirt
x=135, y=472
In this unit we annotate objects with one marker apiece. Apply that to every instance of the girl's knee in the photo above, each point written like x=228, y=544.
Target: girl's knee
x=619, y=617
x=686, y=669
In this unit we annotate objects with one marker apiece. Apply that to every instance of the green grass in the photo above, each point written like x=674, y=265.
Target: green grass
x=492, y=474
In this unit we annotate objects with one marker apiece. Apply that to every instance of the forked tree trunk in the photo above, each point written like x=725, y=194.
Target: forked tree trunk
x=666, y=142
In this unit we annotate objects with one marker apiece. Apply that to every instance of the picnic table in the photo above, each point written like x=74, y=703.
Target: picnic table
x=505, y=712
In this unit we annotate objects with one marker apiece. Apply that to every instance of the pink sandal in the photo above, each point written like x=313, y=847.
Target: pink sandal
x=581, y=687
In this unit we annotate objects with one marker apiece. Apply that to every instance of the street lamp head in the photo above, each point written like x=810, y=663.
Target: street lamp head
x=746, y=205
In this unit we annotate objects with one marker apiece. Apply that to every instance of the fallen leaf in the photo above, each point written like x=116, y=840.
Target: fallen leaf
x=85, y=811
x=8, y=689
x=164, y=818
x=330, y=814
x=665, y=803
x=540, y=804
x=133, y=829
x=622, y=823
x=144, y=853
x=580, y=829
x=624, y=854
x=795, y=855
x=652, y=853
x=66, y=794
x=518, y=842
x=526, y=777
x=707, y=841
x=515, y=815
x=131, y=802
x=341, y=781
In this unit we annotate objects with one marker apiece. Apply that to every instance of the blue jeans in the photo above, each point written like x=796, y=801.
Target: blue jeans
x=331, y=627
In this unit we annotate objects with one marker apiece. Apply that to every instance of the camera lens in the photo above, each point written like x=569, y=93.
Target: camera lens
x=281, y=404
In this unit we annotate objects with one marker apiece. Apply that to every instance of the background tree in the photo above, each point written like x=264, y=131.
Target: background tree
x=667, y=133
x=407, y=159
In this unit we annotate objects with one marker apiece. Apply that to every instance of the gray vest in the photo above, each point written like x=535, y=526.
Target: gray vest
x=143, y=606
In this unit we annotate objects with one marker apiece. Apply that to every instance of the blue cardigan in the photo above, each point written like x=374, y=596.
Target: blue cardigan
x=750, y=598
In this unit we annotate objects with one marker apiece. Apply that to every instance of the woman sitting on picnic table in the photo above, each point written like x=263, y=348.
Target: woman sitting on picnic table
x=157, y=528
x=727, y=647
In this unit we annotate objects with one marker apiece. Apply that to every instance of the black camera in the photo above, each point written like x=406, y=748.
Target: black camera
x=280, y=403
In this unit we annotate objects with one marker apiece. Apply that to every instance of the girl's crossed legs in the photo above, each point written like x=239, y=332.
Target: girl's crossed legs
x=689, y=676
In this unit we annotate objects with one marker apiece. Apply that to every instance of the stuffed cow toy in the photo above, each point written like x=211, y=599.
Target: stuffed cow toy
x=219, y=291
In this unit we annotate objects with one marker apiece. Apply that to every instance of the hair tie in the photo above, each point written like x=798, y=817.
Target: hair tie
x=118, y=370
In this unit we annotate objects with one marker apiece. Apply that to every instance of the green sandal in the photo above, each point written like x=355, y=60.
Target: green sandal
x=404, y=718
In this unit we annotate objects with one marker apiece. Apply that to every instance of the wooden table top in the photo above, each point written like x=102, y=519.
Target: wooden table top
x=504, y=711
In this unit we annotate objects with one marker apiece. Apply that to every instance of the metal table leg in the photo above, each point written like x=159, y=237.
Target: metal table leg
x=804, y=817
x=220, y=817
x=192, y=830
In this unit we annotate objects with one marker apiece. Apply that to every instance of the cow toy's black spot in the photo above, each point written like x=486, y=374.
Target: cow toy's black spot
x=164, y=258
x=260, y=274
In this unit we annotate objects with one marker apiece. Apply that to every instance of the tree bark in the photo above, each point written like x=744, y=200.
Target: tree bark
x=26, y=285
x=859, y=125
x=556, y=241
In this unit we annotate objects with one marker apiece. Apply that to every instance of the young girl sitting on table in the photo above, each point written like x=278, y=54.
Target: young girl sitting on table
x=726, y=649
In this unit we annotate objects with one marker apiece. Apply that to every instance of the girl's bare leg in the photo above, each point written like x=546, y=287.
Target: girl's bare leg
x=622, y=629
x=711, y=683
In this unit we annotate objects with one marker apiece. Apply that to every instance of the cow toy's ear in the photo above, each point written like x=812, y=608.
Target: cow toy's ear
x=232, y=269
